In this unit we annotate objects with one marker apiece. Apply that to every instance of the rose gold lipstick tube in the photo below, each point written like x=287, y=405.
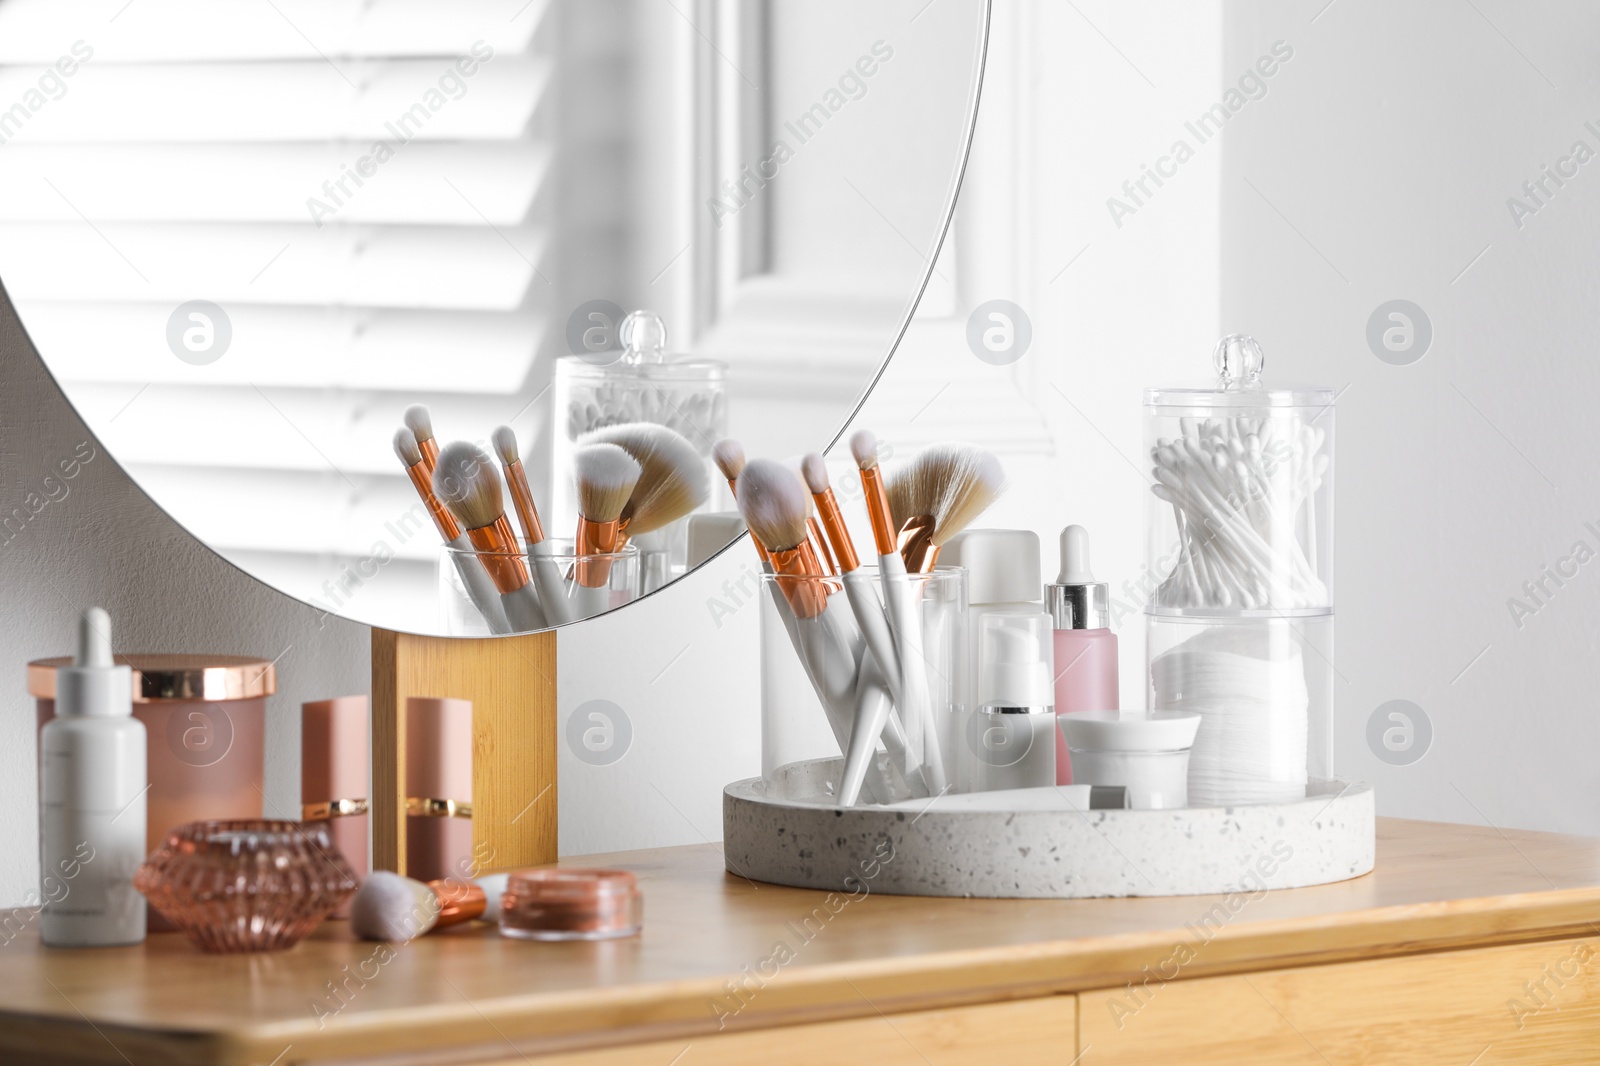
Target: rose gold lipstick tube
x=438, y=788
x=334, y=776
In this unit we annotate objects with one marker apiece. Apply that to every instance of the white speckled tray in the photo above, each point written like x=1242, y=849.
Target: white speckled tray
x=1045, y=854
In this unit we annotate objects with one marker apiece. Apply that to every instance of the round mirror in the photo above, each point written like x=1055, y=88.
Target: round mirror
x=269, y=251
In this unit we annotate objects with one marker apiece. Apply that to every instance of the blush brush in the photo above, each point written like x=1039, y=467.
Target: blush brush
x=466, y=481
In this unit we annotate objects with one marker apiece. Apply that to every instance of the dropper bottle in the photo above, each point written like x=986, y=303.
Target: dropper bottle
x=92, y=800
x=1085, y=647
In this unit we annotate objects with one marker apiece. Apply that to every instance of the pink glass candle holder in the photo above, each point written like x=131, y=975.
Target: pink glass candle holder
x=246, y=885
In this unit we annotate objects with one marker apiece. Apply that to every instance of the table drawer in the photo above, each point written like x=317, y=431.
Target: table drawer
x=1021, y=1033
x=1527, y=1004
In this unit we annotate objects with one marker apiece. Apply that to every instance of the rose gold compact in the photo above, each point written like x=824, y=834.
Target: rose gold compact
x=557, y=903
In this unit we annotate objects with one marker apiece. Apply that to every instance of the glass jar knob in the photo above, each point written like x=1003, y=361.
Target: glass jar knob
x=1238, y=360
x=644, y=338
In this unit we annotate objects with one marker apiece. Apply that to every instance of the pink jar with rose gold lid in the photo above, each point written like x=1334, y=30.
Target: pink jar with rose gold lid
x=205, y=716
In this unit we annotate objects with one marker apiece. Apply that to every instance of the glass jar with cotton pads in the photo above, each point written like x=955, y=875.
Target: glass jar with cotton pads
x=1239, y=562
x=1145, y=752
x=621, y=372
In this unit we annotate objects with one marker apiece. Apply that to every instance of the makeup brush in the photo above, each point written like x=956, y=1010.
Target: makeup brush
x=905, y=620
x=938, y=494
x=672, y=476
x=546, y=578
x=480, y=590
x=871, y=715
x=398, y=909
x=729, y=457
x=466, y=481
x=420, y=423
x=773, y=500
x=606, y=476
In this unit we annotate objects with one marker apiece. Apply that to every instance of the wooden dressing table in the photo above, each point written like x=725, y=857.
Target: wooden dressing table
x=1467, y=945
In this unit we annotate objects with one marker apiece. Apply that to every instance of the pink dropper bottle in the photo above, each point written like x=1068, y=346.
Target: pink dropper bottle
x=1085, y=648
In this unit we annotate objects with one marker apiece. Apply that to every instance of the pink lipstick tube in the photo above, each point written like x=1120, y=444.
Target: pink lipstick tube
x=334, y=776
x=438, y=788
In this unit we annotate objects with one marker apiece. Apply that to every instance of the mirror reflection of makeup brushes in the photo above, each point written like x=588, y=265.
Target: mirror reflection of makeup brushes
x=606, y=476
x=466, y=480
x=729, y=457
x=905, y=619
x=672, y=476
x=420, y=423
x=546, y=578
x=480, y=590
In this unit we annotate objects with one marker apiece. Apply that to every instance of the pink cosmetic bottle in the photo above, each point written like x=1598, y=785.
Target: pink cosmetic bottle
x=1085, y=648
x=438, y=788
x=334, y=775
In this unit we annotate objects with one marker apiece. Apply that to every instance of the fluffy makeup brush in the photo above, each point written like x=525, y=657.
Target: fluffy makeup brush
x=905, y=618
x=606, y=477
x=480, y=590
x=546, y=578
x=672, y=476
x=397, y=909
x=772, y=499
x=466, y=481
x=420, y=423
x=871, y=714
x=938, y=494
x=729, y=457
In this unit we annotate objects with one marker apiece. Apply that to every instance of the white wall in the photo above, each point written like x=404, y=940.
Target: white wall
x=1391, y=143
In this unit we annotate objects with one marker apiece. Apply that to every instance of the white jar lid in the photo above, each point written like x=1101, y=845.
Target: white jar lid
x=1129, y=730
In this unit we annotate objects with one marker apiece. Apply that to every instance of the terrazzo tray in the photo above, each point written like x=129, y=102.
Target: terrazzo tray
x=1044, y=852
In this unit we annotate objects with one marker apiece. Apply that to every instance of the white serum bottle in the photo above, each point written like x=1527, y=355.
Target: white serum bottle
x=92, y=800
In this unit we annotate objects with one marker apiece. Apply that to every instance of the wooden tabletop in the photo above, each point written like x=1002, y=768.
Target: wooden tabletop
x=1436, y=887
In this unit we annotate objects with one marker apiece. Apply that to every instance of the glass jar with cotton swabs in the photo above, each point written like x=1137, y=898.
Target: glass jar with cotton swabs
x=625, y=375
x=1239, y=576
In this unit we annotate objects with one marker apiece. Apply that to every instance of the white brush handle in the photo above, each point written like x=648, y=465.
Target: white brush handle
x=906, y=624
x=881, y=654
x=826, y=647
x=552, y=590
x=587, y=602
x=523, y=610
x=874, y=627
x=870, y=714
x=480, y=590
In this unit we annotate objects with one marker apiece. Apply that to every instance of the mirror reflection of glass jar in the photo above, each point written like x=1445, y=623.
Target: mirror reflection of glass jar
x=620, y=372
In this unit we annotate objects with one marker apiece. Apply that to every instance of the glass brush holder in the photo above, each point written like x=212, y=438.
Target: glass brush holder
x=1239, y=564
x=819, y=677
x=639, y=383
x=591, y=583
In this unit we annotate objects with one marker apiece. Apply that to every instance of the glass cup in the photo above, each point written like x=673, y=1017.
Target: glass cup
x=816, y=661
x=591, y=584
